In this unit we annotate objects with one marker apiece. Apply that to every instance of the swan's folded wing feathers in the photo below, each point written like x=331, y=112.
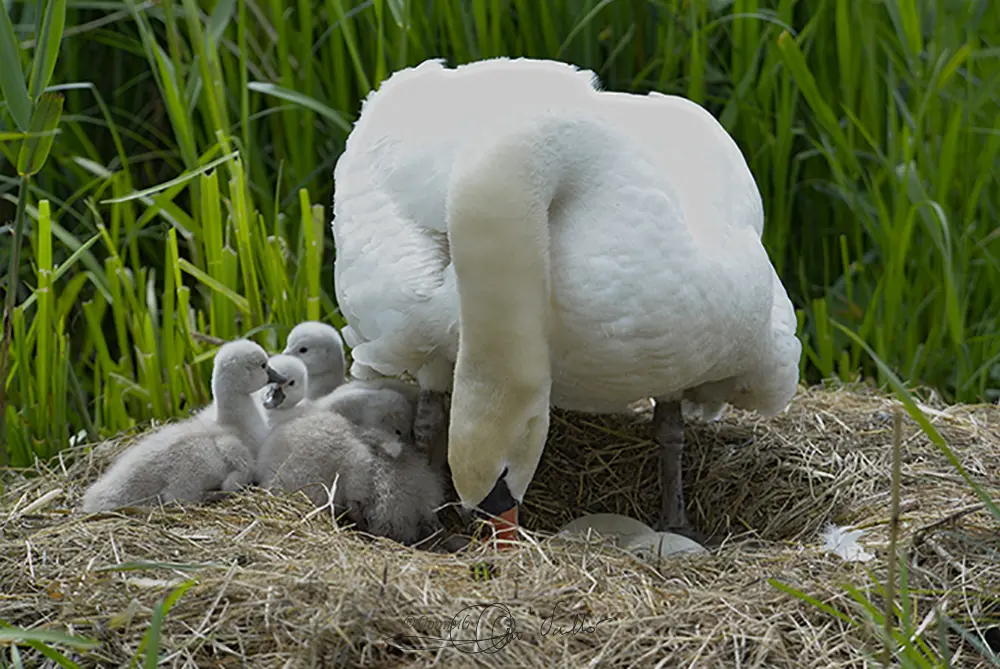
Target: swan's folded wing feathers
x=386, y=266
x=700, y=159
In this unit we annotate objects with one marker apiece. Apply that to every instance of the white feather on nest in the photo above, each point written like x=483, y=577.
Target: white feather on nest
x=844, y=543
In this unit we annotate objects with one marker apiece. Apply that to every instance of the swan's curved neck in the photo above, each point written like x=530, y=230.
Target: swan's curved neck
x=240, y=412
x=499, y=236
x=498, y=224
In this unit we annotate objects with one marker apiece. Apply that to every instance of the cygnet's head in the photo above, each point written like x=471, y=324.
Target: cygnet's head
x=395, y=414
x=290, y=393
x=241, y=368
x=319, y=346
x=386, y=421
x=380, y=409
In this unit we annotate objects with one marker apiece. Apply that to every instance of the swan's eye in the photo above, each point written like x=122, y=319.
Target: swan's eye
x=399, y=433
x=303, y=349
x=292, y=382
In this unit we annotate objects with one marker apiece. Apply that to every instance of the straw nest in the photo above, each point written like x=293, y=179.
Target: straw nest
x=275, y=586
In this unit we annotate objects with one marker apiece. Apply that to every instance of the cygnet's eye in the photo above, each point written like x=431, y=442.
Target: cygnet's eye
x=303, y=349
x=264, y=366
x=399, y=433
x=292, y=382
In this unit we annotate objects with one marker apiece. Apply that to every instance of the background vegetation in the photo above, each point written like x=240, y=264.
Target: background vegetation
x=186, y=195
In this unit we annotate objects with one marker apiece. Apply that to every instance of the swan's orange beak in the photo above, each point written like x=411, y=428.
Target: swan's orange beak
x=500, y=510
x=505, y=525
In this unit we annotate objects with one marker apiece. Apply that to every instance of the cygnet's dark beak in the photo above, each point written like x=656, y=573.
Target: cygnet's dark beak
x=275, y=377
x=499, y=508
x=274, y=396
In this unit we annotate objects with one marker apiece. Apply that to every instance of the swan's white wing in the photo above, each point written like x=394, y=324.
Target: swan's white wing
x=695, y=155
x=389, y=266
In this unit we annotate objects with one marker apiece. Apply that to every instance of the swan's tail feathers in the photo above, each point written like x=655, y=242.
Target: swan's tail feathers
x=778, y=376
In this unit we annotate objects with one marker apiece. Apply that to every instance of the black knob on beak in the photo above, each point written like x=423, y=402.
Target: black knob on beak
x=498, y=501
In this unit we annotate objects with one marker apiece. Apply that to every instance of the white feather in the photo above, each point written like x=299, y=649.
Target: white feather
x=844, y=543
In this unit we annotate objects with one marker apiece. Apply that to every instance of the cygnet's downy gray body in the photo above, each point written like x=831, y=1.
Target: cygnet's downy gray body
x=284, y=401
x=373, y=404
x=190, y=460
x=385, y=487
x=320, y=347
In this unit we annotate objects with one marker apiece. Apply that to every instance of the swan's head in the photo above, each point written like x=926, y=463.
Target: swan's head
x=319, y=346
x=495, y=440
x=286, y=395
x=241, y=368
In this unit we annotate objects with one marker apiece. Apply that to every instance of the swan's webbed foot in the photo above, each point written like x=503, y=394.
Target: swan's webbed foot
x=668, y=424
x=430, y=428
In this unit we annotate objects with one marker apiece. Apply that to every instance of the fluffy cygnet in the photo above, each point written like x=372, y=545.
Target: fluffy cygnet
x=286, y=401
x=387, y=488
x=373, y=404
x=188, y=460
x=320, y=347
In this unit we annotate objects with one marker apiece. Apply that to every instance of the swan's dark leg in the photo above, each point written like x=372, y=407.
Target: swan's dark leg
x=668, y=424
x=430, y=427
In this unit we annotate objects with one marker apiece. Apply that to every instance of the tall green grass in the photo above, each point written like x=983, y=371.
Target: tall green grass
x=184, y=200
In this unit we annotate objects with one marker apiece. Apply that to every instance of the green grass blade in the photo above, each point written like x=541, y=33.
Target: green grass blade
x=796, y=62
x=53, y=654
x=14, y=635
x=973, y=640
x=151, y=639
x=302, y=100
x=312, y=226
x=15, y=93
x=44, y=290
x=182, y=179
x=825, y=608
x=47, y=47
x=216, y=285
x=44, y=121
x=19, y=136
x=219, y=20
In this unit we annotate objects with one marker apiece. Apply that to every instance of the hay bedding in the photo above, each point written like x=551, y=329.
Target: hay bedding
x=278, y=587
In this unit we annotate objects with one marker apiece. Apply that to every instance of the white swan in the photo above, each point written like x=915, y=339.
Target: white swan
x=509, y=233
x=190, y=459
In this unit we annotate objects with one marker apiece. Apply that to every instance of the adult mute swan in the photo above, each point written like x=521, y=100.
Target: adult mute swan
x=509, y=233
